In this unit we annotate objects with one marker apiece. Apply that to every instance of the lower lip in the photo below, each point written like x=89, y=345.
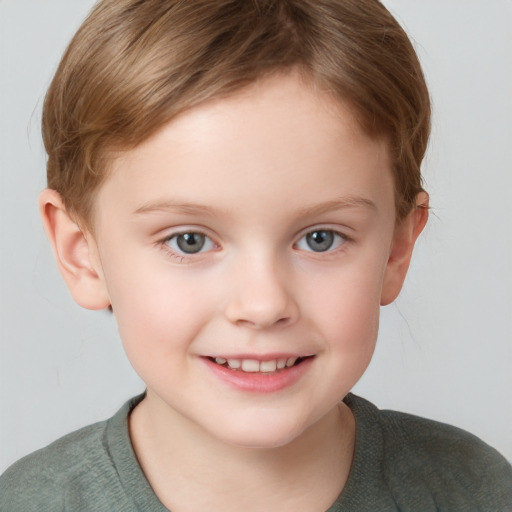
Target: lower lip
x=260, y=382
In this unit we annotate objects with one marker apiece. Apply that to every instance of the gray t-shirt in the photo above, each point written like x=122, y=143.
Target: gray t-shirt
x=401, y=463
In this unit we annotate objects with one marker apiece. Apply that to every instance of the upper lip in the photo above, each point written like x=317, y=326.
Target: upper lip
x=261, y=357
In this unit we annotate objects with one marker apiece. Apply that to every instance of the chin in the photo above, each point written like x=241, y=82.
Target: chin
x=261, y=443
x=260, y=435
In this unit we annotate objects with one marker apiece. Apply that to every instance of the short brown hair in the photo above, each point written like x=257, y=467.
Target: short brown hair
x=135, y=64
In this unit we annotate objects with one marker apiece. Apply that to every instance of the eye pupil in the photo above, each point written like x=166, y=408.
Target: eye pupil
x=190, y=242
x=320, y=241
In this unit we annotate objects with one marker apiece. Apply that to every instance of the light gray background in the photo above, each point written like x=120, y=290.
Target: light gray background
x=445, y=348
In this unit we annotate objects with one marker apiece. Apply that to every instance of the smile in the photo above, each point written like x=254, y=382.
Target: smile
x=256, y=366
x=259, y=375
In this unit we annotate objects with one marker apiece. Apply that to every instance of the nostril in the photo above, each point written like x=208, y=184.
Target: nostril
x=262, y=324
x=261, y=308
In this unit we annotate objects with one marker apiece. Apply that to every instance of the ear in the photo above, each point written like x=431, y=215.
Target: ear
x=404, y=238
x=75, y=251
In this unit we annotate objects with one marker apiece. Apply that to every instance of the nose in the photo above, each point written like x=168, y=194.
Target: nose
x=261, y=297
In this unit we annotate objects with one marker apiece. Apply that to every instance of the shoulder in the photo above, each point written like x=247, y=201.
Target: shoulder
x=455, y=469
x=39, y=481
x=79, y=472
x=427, y=444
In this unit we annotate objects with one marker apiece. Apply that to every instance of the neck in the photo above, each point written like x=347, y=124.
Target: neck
x=189, y=470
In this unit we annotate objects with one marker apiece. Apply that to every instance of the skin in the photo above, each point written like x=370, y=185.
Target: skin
x=255, y=173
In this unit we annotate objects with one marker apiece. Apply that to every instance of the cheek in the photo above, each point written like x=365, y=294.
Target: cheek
x=156, y=315
x=351, y=322
x=347, y=307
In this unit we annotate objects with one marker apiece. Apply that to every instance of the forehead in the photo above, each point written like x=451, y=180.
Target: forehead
x=277, y=140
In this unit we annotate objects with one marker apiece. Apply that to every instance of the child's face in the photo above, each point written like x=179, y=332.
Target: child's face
x=256, y=228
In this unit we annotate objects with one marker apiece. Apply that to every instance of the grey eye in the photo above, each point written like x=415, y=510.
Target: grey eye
x=190, y=243
x=320, y=240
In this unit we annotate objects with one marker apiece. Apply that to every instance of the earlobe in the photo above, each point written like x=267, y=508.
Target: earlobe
x=405, y=236
x=75, y=253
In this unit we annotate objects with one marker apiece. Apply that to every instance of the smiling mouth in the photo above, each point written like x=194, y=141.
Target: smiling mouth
x=271, y=366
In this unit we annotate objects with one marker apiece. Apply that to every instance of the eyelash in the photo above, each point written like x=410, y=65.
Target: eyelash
x=178, y=252
x=338, y=239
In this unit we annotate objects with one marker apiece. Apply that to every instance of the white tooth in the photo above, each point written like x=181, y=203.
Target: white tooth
x=291, y=361
x=250, y=365
x=268, y=366
x=220, y=360
x=281, y=363
x=234, y=363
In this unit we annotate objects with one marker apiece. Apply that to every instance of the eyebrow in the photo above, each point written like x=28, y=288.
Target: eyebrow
x=178, y=207
x=342, y=203
x=190, y=208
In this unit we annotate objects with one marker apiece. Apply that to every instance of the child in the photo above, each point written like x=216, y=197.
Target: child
x=239, y=182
